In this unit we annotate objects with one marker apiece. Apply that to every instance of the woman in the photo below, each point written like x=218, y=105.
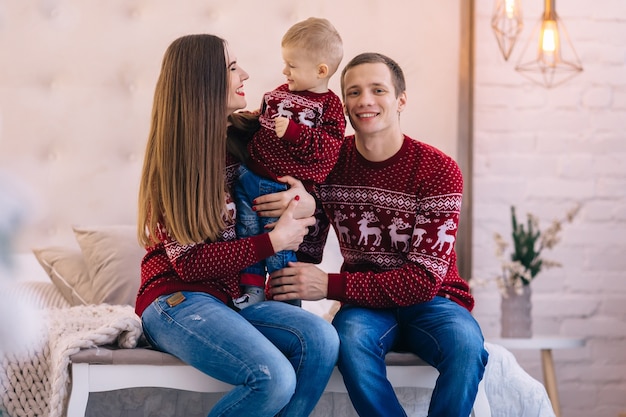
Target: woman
x=190, y=274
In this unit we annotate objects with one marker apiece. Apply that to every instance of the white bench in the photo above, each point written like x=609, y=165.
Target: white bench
x=107, y=369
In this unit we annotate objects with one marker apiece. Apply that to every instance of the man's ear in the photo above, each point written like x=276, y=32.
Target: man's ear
x=401, y=101
x=322, y=71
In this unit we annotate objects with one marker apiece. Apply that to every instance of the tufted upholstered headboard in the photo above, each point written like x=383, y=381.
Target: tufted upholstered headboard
x=77, y=79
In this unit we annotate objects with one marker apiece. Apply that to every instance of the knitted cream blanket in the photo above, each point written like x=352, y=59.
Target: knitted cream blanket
x=35, y=380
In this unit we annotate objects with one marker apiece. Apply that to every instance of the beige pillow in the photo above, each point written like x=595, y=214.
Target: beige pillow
x=113, y=258
x=67, y=271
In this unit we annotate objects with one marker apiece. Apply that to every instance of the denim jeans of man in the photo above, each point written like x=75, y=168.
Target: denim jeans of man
x=441, y=332
x=277, y=356
x=248, y=187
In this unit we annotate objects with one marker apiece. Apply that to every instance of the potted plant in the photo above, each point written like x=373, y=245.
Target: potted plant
x=522, y=266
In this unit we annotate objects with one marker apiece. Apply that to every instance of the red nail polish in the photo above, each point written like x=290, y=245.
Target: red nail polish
x=253, y=208
x=297, y=198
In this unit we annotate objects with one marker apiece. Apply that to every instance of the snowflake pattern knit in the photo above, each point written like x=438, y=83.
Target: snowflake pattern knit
x=211, y=267
x=308, y=150
x=396, y=222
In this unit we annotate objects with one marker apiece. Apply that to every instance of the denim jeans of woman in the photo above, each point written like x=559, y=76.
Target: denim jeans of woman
x=441, y=332
x=278, y=357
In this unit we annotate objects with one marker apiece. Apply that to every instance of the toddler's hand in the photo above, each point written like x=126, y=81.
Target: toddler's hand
x=280, y=126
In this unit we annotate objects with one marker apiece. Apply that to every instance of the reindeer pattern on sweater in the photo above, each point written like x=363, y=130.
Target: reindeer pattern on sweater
x=308, y=150
x=396, y=222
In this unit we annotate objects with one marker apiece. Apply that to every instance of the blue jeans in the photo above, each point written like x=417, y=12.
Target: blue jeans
x=440, y=331
x=248, y=187
x=278, y=357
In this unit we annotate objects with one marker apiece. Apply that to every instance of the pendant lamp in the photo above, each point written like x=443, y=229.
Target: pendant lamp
x=507, y=24
x=549, y=57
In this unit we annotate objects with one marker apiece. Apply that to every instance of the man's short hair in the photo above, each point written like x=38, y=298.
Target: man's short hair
x=397, y=76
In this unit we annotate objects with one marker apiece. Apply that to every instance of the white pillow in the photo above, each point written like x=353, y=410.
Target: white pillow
x=106, y=268
x=113, y=258
x=67, y=271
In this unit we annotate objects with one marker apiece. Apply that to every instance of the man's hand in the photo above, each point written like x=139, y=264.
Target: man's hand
x=300, y=280
x=280, y=126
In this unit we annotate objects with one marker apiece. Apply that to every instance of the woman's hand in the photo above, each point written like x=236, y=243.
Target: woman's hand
x=288, y=232
x=273, y=205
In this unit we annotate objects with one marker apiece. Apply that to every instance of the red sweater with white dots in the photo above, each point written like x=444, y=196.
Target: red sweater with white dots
x=309, y=148
x=396, y=222
x=211, y=267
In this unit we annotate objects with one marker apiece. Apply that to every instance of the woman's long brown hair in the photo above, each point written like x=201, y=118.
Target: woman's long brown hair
x=182, y=183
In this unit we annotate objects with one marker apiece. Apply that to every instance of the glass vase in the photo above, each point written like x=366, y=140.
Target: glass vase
x=516, y=313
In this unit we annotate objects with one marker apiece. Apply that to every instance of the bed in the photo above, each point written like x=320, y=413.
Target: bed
x=65, y=299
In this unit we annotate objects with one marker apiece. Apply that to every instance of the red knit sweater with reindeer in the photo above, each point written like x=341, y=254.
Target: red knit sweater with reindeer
x=396, y=222
x=210, y=267
x=308, y=150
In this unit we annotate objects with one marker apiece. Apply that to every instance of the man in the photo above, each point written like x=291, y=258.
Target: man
x=394, y=203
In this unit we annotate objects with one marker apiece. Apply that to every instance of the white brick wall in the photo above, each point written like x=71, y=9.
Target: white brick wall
x=543, y=150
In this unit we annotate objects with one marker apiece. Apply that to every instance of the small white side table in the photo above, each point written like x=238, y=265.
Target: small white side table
x=545, y=346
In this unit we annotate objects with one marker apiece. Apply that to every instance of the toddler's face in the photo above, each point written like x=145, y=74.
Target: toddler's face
x=302, y=72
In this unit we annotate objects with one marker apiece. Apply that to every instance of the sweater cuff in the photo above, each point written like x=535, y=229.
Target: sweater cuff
x=336, y=287
x=293, y=132
x=262, y=246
